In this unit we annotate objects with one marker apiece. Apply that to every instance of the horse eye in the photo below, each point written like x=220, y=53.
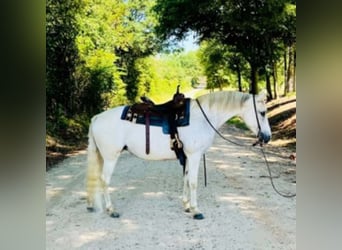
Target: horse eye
x=263, y=113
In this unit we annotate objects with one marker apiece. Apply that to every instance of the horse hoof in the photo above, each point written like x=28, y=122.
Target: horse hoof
x=115, y=215
x=90, y=209
x=198, y=217
x=187, y=210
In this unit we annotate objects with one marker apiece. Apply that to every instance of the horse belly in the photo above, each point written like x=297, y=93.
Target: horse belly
x=159, y=143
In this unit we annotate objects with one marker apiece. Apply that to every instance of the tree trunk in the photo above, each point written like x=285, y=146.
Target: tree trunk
x=239, y=79
x=274, y=75
x=268, y=86
x=290, y=71
x=254, y=80
x=294, y=69
x=286, y=87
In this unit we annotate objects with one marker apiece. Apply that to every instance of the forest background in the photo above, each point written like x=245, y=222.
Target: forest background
x=105, y=53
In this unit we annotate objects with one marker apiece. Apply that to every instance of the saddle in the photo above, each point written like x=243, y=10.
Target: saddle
x=172, y=112
x=148, y=107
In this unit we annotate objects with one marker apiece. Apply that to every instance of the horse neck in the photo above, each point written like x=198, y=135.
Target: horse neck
x=223, y=105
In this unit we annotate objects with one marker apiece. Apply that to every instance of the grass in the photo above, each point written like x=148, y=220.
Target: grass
x=238, y=122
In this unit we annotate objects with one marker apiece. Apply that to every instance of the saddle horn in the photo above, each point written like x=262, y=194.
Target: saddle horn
x=178, y=98
x=178, y=86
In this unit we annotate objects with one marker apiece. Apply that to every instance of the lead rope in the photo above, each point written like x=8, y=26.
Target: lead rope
x=205, y=170
x=241, y=145
x=288, y=195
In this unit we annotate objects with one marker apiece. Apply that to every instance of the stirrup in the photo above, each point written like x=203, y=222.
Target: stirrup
x=172, y=143
x=179, y=142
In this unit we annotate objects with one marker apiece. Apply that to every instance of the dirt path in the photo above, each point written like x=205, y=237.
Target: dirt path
x=240, y=207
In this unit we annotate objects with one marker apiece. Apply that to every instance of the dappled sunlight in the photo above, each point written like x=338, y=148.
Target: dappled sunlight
x=129, y=225
x=153, y=194
x=49, y=225
x=64, y=177
x=246, y=205
x=217, y=161
x=215, y=148
x=88, y=237
x=242, y=152
x=112, y=189
x=51, y=192
x=81, y=194
x=77, y=152
x=224, y=165
x=236, y=199
x=282, y=142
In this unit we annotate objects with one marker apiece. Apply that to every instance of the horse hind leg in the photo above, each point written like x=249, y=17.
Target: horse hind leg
x=108, y=168
x=98, y=178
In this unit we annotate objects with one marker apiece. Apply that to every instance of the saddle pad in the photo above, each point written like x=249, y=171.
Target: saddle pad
x=183, y=119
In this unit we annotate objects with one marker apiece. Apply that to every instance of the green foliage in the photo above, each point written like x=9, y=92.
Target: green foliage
x=140, y=42
x=101, y=79
x=100, y=55
x=68, y=129
x=254, y=29
x=159, y=75
x=223, y=67
x=214, y=58
x=62, y=57
x=103, y=53
x=92, y=47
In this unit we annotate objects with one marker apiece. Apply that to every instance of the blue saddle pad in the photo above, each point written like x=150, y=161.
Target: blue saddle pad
x=160, y=121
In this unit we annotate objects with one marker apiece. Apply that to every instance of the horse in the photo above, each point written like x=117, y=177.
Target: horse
x=109, y=136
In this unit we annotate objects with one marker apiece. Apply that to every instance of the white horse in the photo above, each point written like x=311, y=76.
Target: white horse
x=109, y=135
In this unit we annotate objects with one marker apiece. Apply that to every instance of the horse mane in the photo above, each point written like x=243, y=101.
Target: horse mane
x=225, y=99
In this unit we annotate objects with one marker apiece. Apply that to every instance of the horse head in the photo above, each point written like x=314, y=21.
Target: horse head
x=255, y=117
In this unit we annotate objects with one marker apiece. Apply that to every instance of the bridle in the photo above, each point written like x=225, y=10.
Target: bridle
x=257, y=119
x=258, y=142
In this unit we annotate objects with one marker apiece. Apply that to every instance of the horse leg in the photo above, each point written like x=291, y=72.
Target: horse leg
x=186, y=200
x=108, y=168
x=193, y=163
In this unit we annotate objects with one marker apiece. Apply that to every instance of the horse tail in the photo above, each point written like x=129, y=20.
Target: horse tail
x=95, y=164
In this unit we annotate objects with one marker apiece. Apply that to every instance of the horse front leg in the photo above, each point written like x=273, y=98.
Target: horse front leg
x=186, y=190
x=193, y=164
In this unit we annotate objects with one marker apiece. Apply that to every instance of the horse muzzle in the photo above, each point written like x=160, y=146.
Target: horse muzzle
x=264, y=138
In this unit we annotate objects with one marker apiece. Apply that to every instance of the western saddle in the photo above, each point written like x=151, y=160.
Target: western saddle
x=171, y=110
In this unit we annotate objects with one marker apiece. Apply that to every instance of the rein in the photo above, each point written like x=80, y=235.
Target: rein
x=241, y=145
x=212, y=126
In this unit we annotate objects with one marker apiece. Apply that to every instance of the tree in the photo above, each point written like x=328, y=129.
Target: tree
x=289, y=43
x=237, y=64
x=100, y=30
x=62, y=57
x=215, y=58
x=252, y=28
x=87, y=41
x=140, y=42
